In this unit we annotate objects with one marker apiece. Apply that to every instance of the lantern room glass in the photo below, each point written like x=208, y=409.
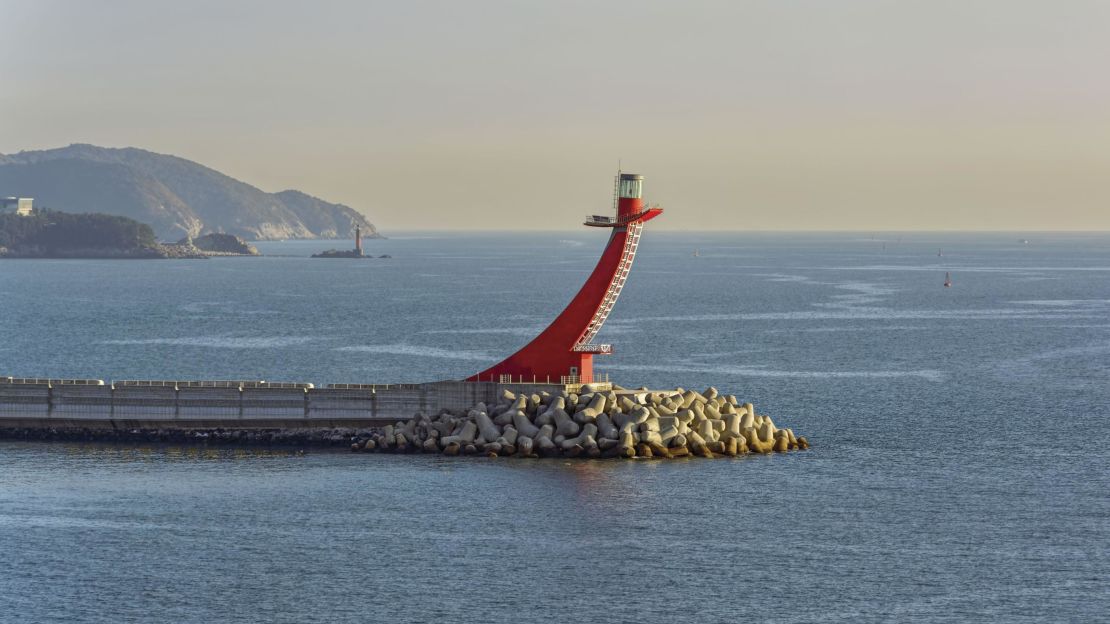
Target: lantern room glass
x=631, y=189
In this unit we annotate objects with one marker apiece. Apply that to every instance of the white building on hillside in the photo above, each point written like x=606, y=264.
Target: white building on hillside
x=18, y=205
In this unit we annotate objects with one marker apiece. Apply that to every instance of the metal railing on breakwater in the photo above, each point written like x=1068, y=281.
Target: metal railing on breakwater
x=153, y=403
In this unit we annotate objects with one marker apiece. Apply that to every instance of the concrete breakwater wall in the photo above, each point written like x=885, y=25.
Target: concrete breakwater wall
x=93, y=403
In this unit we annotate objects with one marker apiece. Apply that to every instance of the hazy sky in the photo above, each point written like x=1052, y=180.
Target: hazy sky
x=776, y=114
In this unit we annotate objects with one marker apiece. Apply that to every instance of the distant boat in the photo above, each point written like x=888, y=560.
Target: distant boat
x=947, y=279
x=1024, y=241
x=939, y=254
x=696, y=253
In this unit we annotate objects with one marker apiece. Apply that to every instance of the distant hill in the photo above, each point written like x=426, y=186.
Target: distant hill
x=51, y=234
x=177, y=197
x=55, y=234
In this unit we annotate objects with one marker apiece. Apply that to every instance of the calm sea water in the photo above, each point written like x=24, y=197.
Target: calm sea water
x=959, y=469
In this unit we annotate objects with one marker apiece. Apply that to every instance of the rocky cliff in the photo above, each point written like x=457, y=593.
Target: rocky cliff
x=225, y=245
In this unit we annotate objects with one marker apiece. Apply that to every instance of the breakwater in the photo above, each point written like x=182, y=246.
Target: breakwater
x=592, y=423
x=244, y=404
x=449, y=417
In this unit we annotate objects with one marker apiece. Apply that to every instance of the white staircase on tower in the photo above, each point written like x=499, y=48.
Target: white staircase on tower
x=628, y=254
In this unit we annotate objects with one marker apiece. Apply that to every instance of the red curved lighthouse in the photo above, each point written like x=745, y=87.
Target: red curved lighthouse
x=563, y=353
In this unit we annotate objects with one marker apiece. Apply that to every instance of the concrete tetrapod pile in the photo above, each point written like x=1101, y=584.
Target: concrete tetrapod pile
x=625, y=423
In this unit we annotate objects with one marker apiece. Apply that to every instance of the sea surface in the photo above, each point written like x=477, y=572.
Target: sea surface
x=959, y=469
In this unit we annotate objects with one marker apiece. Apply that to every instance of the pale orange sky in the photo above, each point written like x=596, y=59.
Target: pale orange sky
x=803, y=114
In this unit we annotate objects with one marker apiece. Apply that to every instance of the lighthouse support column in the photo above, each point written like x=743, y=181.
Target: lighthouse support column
x=564, y=350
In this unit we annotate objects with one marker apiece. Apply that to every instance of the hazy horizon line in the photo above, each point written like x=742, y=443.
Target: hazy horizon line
x=758, y=231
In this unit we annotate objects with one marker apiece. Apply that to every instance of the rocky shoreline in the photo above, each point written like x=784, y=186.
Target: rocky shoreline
x=219, y=244
x=27, y=247
x=98, y=253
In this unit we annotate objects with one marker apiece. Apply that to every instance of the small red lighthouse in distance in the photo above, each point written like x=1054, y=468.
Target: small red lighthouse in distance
x=563, y=353
x=358, y=240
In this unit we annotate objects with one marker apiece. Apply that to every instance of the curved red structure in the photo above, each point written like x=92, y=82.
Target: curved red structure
x=563, y=353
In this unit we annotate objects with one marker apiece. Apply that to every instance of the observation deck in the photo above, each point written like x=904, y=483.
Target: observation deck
x=612, y=222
